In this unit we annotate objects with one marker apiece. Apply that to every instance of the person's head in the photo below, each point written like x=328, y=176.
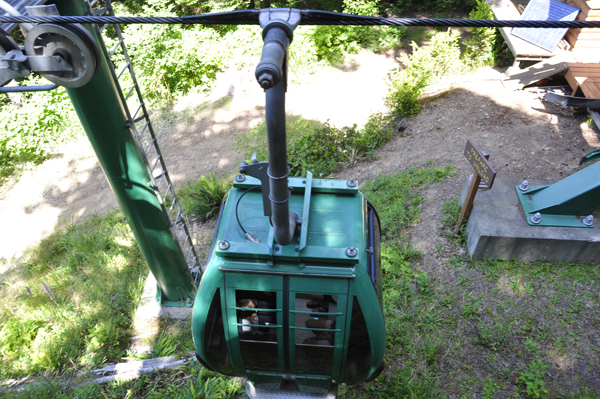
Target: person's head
x=246, y=303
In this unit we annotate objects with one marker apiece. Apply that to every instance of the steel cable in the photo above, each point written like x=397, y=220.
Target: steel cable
x=309, y=17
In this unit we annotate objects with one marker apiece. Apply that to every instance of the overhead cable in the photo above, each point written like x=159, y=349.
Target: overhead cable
x=309, y=17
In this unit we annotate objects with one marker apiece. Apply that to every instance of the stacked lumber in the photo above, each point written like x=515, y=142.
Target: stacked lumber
x=585, y=76
x=585, y=42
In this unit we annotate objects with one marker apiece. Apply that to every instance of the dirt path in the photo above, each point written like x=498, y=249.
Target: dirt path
x=528, y=138
x=195, y=137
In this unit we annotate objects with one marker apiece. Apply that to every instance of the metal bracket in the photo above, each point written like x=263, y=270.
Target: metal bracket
x=16, y=65
x=11, y=67
x=44, y=63
x=259, y=170
x=565, y=203
x=286, y=18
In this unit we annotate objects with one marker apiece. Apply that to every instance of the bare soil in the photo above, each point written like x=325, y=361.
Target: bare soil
x=196, y=136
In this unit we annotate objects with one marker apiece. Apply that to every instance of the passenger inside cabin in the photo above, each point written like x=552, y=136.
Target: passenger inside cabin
x=321, y=304
x=250, y=316
x=321, y=337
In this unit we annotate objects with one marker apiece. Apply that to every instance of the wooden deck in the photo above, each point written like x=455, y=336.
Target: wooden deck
x=585, y=42
x=584, y=72
x=582, y=59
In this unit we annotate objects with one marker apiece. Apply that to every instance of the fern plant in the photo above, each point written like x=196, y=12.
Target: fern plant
x=201, y=199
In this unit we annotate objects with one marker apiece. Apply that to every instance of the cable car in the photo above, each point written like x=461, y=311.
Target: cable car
x=291, y=295
x=317, y=300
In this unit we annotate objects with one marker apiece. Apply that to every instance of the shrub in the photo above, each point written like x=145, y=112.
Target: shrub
x=311, y=145
x=170, y=60
x=479, y=49
x=432, y=6
x=319, y=147
x=333, y=42
x=30, y=130
x=424, y=67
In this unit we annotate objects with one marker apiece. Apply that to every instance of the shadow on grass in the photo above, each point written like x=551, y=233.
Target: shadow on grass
x=71, y=298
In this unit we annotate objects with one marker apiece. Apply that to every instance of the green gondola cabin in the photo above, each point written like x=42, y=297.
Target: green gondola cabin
x=317, y=300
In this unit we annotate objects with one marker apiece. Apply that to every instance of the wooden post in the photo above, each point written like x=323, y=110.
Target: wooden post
x=483, y=169
x=468, y=204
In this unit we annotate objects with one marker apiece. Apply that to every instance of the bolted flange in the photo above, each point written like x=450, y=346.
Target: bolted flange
x=536, y=218
x=351, y=183
x=223, y=244
x=588, y=221
x=351, y=252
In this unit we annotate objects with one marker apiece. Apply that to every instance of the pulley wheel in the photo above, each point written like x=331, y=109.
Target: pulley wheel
x=71, y=42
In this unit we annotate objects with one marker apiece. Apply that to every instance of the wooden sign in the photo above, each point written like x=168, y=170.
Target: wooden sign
x=483, y=171
x=479, y=161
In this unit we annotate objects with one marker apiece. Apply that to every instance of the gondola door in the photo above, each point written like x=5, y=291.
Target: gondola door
x=254, y=306
x=317, y=322
x=287, y=326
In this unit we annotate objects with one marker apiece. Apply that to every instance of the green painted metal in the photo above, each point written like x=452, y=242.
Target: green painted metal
x=590, y=156
x=298, y=184
x=305, y=212
x=565, y=203
x=100, y=108
x=529, y=209
x=328, y=231
x=335, y=216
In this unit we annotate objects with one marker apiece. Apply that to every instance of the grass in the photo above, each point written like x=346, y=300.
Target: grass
x=397, y=198
x=68, y=306
x=189, y=381
x=68, y=301
x=485, y=328
x=456, y=327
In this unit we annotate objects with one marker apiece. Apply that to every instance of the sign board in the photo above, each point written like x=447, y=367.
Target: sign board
x=480, y=163
x=483, y=171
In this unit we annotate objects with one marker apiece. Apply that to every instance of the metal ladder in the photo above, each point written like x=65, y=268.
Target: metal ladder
x=140, y=124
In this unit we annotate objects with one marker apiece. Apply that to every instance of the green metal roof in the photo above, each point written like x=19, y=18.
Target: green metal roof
x=331, y=223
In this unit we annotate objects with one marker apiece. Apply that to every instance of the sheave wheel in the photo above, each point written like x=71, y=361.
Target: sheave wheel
x=71, y=42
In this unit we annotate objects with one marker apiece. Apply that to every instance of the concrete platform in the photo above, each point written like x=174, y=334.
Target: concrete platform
x=497, y=230
x=149, y=309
